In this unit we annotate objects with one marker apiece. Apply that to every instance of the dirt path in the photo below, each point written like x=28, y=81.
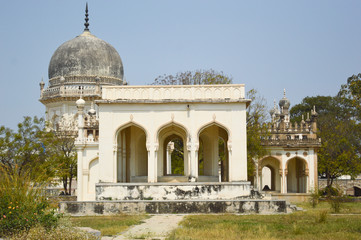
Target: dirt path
x=155, y=227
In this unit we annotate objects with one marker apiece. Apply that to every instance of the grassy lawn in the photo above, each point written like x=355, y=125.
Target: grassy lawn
x=108, y=225
x=311, y=224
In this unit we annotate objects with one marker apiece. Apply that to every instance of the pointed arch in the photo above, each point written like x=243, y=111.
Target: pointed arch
x=128, y=124
x=297, y=172
x=169, y=124
x=213, y=155
x=270, y=173
x=131, y=153
x=216, y=123
x=177, y=135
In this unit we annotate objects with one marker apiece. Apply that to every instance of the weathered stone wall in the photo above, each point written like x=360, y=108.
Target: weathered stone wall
x=173, y=191
x=343, y=184
x=181, y=206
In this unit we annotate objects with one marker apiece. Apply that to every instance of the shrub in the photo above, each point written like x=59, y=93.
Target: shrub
x=322, y=216
x=329, y=191
x=23, y=204
x=336, y=203
x=315, y=198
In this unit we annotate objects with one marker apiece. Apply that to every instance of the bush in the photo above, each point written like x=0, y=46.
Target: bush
x=322, y=216
x=23, y=205
x=336, y=203
x=329, y=191
x=315, y=198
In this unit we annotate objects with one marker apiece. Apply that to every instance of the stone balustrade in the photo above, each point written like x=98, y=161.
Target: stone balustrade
x=85, y=80
x=70, y=91
x=175, y=92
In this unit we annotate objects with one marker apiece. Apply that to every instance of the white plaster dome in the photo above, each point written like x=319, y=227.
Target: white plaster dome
x=86, y=55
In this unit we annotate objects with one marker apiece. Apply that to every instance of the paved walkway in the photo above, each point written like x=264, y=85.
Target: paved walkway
x=156, y=227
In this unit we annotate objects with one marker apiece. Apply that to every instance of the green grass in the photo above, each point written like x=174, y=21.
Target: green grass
x=346, y=207
x=108, y=225
x=312, y=224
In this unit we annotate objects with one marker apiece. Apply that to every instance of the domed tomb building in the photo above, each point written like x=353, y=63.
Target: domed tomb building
x=79, y=68
x=125, y=133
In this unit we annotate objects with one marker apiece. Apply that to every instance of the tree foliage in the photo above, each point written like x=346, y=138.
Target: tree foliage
x=339, y=131
x=257, y=117
x=25, y=149
x=198, y=77
x=33, y=149
x=64, y=157
x=350, y=93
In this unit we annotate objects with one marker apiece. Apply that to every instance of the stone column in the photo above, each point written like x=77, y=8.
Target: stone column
x=80, y=191
x=281, y=173
x=115, y=165
x=285, y=173
x=230, y=159
x=170, y=148
x=193, y=150
x=152, y=162
x=124, y=158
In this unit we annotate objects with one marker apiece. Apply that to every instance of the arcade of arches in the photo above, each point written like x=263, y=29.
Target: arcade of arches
x=287, y=176
x=173, y=161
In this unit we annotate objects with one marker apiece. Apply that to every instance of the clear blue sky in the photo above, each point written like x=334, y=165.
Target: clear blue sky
x=308, y=47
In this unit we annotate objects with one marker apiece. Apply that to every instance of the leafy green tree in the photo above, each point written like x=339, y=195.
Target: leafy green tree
x=339, y=152
x=257, y=117
x=323, y=105
x=64, y=157
x=350, y=93
x=25, y=149
x=198, y=77
x=340, y=134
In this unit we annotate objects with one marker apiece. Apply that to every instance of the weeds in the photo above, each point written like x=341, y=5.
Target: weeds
x=322, y=216
x=23, y=204
x=315, y=198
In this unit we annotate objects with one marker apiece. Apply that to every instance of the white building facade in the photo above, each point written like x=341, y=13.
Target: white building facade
x=136, y=124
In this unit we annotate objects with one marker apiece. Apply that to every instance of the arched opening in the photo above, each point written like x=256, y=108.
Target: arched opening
x=213, y=155
x=93, y=176
x=132, y=155
x=267, y=183
x=172, y=154
x=270, y=179
x=297, y=173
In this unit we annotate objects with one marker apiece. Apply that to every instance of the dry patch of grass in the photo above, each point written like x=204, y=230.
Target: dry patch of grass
x=108, y=225
x=313, y=224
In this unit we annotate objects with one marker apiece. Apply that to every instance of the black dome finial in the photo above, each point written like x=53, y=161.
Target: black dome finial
x=86, y=24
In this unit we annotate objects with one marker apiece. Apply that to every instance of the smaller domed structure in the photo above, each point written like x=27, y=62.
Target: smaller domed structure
x=284, y=103
x=80, y=102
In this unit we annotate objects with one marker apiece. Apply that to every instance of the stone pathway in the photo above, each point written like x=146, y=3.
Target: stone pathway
x=156, y=227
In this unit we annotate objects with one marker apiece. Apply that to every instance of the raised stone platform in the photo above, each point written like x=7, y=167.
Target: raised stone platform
x=174, y=191
x=179, y=197
x=176, y=206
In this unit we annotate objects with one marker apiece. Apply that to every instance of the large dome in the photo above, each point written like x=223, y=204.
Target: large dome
x=86, y=55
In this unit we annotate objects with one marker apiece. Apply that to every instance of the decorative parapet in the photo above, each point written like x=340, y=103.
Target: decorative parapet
x=74, y=80
x=292, y=142
x=70, y=91
x=229, y=92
